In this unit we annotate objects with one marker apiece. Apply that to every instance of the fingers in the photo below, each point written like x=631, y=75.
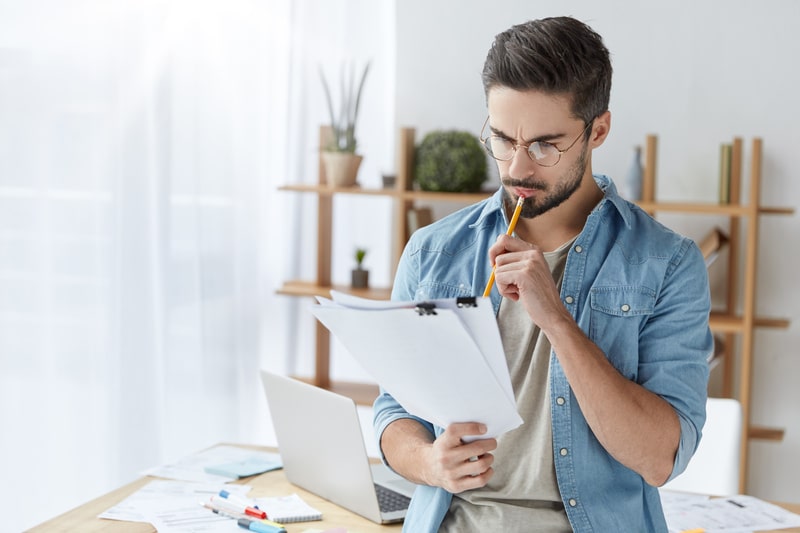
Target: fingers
x=505, y=244
x=459, y=465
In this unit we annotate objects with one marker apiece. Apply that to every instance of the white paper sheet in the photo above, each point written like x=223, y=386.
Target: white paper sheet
x=168, y=495
x=734, y=514
x=445, y=367
x=191, y=467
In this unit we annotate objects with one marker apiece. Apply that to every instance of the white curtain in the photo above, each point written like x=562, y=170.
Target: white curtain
x=142, y=237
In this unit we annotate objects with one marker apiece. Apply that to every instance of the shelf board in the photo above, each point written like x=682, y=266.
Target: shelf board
x=389, y=192
x=709, y=208
x=733, y=324
x=361, y=393
x=765, y=433
x=309, y=288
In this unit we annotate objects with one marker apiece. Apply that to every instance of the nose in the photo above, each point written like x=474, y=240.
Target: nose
x=521, y=166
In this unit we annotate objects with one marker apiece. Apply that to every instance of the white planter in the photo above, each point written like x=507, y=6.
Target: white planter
x=341, y=168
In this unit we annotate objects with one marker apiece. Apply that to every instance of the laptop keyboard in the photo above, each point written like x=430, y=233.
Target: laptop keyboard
x=390, y=501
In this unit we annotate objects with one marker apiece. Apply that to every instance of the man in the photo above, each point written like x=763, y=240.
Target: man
x=603, y=314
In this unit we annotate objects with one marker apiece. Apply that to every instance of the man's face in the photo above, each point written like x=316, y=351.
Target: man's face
x=527, y=117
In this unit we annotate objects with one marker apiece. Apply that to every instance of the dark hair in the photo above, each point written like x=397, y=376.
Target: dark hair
x=559, y=55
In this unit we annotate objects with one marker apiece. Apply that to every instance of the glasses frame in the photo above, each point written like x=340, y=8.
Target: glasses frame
x=515, y=145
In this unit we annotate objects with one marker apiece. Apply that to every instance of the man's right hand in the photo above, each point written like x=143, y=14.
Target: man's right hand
x=447, y=461
x=456, y=465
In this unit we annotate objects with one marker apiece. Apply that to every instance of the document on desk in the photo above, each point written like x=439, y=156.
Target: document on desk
x=733, y=514
x=443, y=359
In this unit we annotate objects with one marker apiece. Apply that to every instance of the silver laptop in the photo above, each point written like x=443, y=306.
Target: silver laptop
x=322, y=448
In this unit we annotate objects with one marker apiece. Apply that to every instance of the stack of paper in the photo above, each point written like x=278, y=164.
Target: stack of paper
x=443, y=360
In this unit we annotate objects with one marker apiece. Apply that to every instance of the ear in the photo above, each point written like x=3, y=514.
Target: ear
x=600, y=130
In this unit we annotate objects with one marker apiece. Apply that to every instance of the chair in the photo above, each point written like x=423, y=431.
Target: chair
x=714, y=468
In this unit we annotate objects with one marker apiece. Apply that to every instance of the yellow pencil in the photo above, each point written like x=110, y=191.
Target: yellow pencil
x=511, y=226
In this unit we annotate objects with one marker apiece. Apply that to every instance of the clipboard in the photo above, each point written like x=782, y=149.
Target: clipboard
x=442, y=360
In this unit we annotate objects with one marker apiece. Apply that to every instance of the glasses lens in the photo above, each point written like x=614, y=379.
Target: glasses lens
x=499, y=148
x=544, y=153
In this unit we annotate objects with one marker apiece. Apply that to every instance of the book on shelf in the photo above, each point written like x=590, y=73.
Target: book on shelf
x=711, y=244
x=725, y=151
x=418, y=217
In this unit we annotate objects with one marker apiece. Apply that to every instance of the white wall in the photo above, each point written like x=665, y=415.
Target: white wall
x=696, y=74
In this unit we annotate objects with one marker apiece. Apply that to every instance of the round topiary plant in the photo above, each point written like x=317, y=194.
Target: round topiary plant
x=450, y=161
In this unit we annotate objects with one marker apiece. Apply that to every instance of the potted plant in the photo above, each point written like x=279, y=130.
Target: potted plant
x=450, y=161
x=360, y=276
x=339, y=155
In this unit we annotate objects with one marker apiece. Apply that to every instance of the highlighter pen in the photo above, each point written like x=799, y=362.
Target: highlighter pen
x=511, y=226
x=226, y=514
x=259, y=527
x=237, y=499
x=223, y=504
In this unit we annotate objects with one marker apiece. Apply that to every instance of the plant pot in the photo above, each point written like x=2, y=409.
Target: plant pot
x=341, y=168
x=359, y=278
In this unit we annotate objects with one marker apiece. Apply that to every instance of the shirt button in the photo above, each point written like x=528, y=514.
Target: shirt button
x=563, y=452
x=579, y=248
x=569, y=299
x=560, y=400
x=573, y=502
x=625, y=308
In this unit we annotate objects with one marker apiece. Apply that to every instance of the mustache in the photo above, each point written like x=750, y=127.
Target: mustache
x=524, y=184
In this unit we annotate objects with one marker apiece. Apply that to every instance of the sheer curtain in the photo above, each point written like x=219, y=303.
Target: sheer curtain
x=141, y=234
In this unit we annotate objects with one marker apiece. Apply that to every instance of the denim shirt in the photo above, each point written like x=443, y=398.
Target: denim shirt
x=638, y=290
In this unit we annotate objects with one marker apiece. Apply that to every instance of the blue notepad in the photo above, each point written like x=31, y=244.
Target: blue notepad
x=244, y=468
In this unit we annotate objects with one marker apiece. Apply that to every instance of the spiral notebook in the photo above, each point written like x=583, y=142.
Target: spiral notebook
x=288, y=509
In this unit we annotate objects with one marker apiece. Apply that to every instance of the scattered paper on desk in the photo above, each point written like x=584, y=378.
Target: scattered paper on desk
x=735, y=514
x=288, y=509
x=249, y=466
x=162, y=494
x=192, y=467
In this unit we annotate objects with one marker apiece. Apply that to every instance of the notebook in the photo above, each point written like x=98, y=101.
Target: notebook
x=288, y=509
x=322, y=447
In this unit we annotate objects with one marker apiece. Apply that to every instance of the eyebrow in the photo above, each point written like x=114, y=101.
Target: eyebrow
x=547, y=137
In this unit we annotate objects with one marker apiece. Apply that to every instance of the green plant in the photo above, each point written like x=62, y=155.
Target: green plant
x=450, y=161
x=360, y=254
x=343, y=118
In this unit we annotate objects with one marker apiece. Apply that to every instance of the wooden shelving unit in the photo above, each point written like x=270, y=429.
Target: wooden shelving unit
x=737, y=320
x=404, y=199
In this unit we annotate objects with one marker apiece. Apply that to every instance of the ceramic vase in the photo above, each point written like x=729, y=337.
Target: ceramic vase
x=341, y=168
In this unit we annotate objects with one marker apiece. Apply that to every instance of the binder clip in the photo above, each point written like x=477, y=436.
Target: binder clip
x=466, y=301
x=425, y=308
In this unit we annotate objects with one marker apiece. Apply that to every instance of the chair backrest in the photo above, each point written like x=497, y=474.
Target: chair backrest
x=714, y=468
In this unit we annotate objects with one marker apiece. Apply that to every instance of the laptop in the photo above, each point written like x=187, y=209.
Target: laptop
x=322, y=447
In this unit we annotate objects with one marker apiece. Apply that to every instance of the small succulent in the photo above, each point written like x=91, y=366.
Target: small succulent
x=360, y=254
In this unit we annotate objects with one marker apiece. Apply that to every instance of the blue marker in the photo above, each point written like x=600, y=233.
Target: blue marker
x=259, y=527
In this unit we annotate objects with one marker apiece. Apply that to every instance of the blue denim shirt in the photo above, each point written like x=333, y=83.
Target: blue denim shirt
x=638, y=290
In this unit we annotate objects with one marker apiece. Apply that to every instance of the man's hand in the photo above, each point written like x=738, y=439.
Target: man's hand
x=446, y=462
x=522, y=274
x=457, y=466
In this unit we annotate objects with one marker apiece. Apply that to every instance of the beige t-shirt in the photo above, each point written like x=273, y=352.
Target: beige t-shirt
x=523, y=493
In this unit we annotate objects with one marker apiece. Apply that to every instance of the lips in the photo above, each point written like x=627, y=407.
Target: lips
x=527, y=193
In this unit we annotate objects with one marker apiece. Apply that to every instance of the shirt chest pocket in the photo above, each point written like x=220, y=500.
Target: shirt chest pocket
x=617, y=315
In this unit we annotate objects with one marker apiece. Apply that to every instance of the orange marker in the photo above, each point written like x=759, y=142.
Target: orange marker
x=511, y=226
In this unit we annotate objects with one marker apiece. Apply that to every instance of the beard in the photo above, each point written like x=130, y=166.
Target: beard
x=554, y=196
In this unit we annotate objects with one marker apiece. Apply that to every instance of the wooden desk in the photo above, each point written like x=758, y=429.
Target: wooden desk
x=84, y=518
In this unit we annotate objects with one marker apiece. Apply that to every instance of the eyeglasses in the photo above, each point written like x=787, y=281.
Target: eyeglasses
x=542, y=153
